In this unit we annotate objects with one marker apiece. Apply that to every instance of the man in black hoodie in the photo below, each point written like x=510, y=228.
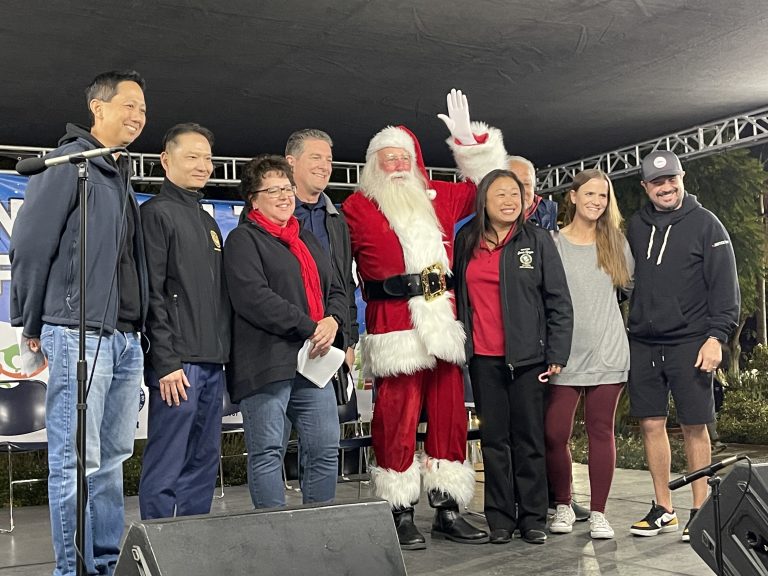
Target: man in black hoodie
x=45, y=300
x=684, y=306
x=188, y=333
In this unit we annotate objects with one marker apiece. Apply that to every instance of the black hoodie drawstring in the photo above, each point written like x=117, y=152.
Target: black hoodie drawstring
x=650, y=243
x=663, y=244
x=661, y=354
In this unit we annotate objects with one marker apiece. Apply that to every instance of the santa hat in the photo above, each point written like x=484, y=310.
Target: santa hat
x=399, y=137
x=392, y=137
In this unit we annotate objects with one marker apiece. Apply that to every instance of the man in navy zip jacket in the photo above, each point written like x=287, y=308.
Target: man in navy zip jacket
x=539, y=210
x=684, y=305
x=45, y=300
x=188, y=333
x=309, y=153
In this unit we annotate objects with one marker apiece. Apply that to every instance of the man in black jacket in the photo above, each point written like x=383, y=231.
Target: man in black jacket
x=309, y=152
x=684, y=305
x=46, y=300
x=188, y=333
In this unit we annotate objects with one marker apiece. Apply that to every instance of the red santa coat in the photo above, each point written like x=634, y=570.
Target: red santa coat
x=406, y=336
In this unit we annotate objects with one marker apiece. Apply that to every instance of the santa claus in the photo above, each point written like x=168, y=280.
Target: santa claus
x=402, y=227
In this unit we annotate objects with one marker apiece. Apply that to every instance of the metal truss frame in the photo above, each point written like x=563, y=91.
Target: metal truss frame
x=736, y=131
x=226, y=169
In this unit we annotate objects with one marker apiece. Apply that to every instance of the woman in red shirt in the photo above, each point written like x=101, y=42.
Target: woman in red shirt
x=513, y=298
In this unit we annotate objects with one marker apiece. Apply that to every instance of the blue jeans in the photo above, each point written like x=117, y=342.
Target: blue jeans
x=181, y=458
x=113, y=407
x=313, y=412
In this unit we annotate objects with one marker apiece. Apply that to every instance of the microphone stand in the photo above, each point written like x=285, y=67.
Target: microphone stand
x=714, y=483
x=82, y=375
x=713, y=480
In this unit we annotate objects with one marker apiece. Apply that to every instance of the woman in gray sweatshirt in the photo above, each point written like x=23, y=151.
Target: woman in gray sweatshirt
x=597, y=263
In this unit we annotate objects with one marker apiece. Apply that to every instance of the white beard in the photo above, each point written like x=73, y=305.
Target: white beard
x=402, y=198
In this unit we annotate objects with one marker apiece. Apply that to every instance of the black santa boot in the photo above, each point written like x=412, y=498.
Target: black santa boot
x=449, y=523
x=407, y=534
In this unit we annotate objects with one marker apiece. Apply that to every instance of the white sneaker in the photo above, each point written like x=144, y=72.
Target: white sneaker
x=563, y=521
x=599, y=527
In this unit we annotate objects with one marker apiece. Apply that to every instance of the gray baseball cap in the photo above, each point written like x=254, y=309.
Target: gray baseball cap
x=660, y=163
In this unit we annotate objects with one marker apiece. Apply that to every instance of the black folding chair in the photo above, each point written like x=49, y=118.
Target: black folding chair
x=22, y=412
x=349, y=415
x=231, y=423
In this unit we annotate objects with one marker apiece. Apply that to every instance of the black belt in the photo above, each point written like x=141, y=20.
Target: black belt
x=405, y=286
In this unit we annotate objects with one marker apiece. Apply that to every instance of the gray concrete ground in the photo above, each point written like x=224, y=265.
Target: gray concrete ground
x=27, y=551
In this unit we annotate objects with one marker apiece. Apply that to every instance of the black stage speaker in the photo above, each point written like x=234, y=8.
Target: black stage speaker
x=320, y=540
x=744, y=519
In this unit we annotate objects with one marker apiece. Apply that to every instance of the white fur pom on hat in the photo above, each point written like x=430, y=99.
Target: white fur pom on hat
x=391, y=137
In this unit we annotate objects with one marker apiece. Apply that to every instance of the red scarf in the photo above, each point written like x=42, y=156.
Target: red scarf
x=289, y=235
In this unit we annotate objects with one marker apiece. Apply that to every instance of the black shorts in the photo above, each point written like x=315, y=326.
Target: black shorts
x=658, y=369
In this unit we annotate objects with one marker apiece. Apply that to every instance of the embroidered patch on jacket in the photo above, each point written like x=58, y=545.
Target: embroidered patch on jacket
x=216, y=241
x=721, y=243
x=526, y=258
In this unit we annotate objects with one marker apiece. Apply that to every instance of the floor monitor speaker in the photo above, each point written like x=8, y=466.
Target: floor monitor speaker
x=744, y=519
x=322, y=540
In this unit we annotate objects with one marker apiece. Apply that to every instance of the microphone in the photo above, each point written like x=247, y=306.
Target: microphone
x=706, y=471
x=32, y=166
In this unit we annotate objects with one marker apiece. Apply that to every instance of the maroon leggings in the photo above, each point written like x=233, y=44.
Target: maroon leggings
x=599, y=412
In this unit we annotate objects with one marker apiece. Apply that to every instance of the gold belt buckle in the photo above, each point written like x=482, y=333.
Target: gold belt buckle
x=434, y=269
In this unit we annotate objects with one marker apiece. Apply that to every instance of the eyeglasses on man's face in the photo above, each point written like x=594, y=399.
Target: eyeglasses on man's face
x=277, y=191
x=393, y=159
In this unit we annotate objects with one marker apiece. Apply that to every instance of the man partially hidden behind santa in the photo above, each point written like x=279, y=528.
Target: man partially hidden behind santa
x=402, y=228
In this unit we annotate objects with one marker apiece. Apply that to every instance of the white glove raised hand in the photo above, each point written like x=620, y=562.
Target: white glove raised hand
x=457, y=120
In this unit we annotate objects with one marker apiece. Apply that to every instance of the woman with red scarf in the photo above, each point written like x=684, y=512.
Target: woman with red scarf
x=283, y=293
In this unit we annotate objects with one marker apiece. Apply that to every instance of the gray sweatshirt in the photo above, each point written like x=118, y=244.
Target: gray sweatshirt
x=599, y=349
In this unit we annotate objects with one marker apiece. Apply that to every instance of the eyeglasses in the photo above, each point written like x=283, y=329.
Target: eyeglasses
x=392, y=159
x=277, y=191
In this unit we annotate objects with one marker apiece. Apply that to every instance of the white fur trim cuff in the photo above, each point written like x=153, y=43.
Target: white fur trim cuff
x=436, y=325
x=477, y=160
x=457, y=479
x=398, y=352
x=400, y=489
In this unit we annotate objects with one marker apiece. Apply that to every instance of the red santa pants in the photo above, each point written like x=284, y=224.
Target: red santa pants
x=399, y=401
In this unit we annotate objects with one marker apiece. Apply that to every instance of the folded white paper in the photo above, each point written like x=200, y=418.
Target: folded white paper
x=319, y=370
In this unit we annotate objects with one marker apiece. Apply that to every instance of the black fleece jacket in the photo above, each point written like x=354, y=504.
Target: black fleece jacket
x=686, y=287
x=535, y=301
x=271, y=319
x=341, y=258
x=189, y=312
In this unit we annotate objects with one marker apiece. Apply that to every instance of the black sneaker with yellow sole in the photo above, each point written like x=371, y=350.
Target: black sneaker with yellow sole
x=657, y=520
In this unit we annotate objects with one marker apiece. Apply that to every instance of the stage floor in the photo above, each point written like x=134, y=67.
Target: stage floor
x=27, y=551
